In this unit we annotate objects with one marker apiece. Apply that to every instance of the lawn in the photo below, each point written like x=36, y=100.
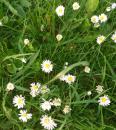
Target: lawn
x=57, y=65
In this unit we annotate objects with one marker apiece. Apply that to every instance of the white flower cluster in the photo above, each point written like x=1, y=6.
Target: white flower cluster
x=46, y=121
x=37, y=88
x=97, y=20
x=47, y=105
x=104, y=100
x=60, y=9
x=19, y=102
x=102, y=38
x=68, y=78
x=112, y=7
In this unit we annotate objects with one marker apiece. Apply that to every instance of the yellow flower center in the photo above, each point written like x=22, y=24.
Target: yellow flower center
x=101, y=39
x=70, y=78
x=20, y=101
x=35, y=87
x=94, y=19
x=46, y=121
x=47, y=65
x=102, y=17
x=24, y=115
x=103, y=99
x=60, y=10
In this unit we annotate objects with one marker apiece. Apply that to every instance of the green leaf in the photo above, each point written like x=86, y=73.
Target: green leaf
x=86, y=24
x=25, y=3
x=10, y=7
x=91, y=5
x=5, y=125
x=11, y=68
x=5, y=19
x=22, y=89
x=32, y=60
x=21, y=11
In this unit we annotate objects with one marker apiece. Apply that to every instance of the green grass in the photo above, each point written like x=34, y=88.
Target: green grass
x=23, y=19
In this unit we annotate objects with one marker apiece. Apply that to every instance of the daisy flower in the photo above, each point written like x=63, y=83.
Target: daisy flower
x=89, y=93
x=59, y=37
x=76, y=6
x=70, y=79
x=35, y=89
x=101, y=39
x=57, y=102
x=26, y=41
x=10, y=86
x=44, y=89
x=19, y=101
x=99, y=89
x=62, y=78
x=113, y=6
x=94, y=19
x=66, y=109
x=47, y=66
x=108, y=9
x=24, y=116
x=103, y=18
x=114, y=37
x=46, y=105
x=60, y=10
x=87, y=69
x=47, y=122
x=104, y=100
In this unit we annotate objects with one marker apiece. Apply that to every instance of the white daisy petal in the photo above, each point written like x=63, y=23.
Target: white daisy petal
x=56, y=102
x=47, y=122
x=114, y=37
x=76, y=6
x=66, y=109
x=101, y=39
x=24, y=116
x=46, y=105
x=60, y=10
x=103, y=18
x=47, y=66
x=19, y=101
x=35, y=89
x=10, y=86
x=70, y=79
x=104, y=100
x=94, y=19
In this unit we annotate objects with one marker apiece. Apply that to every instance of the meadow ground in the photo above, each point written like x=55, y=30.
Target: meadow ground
x=58, y=62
